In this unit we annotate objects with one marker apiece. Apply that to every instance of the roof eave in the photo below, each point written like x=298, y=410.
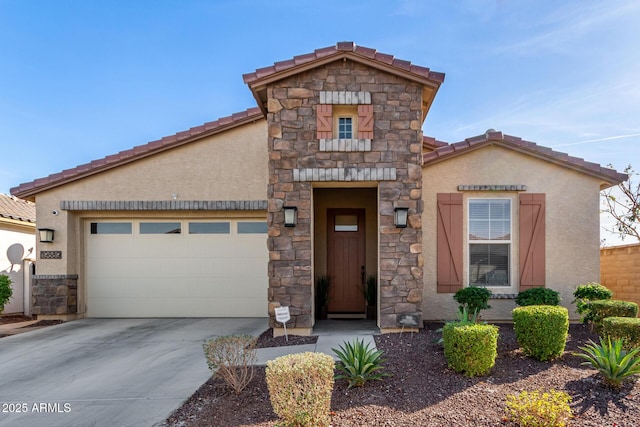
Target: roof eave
x=606, y=180
x=28, y=191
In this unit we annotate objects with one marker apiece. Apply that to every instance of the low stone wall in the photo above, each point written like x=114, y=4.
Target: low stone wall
x=620, y=271
x=55, y=295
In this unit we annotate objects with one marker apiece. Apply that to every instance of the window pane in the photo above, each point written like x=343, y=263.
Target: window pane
x=160, y=228
x=490, y=219
x=489, y=264
x=252, y=228
x=345, y=128
x=346, y=223
x=209, y=228
x=111, y=228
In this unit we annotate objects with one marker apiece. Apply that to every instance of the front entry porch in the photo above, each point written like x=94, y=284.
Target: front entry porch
x=345, y=251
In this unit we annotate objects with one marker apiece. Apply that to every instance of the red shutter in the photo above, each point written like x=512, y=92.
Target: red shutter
x=532, y=241
x=449, y=242
x=365, y=121
x=325, y=121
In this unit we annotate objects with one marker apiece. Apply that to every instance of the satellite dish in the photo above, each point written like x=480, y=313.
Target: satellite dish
x=15, y=253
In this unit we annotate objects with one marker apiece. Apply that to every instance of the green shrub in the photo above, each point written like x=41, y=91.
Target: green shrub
x=300, y=387
x=232, y=358
x=359, y=363
x=626, y=329
x=584, y=294
x=535, y=409
x=612, y=361
x=474, y=298
x=6, y=291
x=541, y=330
x=538, y=296
x=600, y=310
x=470, y=348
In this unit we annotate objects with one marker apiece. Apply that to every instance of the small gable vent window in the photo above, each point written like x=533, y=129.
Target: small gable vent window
x=343, y=117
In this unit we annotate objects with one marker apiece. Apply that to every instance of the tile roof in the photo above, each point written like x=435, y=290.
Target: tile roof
x=31, y=188
x=431, y=143
x=338, y=50
x=17, y=209
x=492, y=137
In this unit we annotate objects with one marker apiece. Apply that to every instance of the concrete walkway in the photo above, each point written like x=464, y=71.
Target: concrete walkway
x=331, y=334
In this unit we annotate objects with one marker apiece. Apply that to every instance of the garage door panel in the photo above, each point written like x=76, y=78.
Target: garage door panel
x=181, y=275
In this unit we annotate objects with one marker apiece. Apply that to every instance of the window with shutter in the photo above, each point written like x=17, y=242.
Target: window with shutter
x=449, y=242
x=335, y=122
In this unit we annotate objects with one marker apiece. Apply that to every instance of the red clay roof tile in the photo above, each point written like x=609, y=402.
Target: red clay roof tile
x=17, y=209
x=365, y=52
x=31, y=188
x=610, y=176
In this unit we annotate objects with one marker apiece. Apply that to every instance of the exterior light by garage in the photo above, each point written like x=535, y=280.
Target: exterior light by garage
x=400, y=217
x=290, y=216
x=46, y=235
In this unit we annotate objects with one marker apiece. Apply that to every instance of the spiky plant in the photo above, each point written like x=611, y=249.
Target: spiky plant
x=613, y=362
x=359, y=363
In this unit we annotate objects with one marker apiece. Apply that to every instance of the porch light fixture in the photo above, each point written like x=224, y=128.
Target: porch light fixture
x=400, y=217
x=46, y=235
x=290, y=216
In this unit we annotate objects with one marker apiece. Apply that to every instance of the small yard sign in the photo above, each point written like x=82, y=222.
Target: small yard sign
x=283, y=316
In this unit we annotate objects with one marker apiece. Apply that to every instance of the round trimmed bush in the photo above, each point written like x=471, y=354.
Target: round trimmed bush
x=538, y=296
x=541, y=330
x=470, y=348
x=300, y=387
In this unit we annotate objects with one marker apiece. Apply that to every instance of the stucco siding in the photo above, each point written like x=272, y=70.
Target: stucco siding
x=226, y=166
x=572, y=221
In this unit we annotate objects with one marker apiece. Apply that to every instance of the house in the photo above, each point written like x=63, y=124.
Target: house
x=17, y=243
x=329, y=175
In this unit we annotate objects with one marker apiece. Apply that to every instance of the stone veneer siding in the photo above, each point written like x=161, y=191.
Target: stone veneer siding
x=55, y=294
x=294, y=150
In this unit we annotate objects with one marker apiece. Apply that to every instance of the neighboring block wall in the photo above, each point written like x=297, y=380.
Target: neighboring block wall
x=297, y=159
x=620, y=271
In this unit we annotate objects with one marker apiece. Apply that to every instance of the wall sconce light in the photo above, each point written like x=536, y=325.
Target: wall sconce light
x=46, y=235
x=290, y=216
x=400, y=217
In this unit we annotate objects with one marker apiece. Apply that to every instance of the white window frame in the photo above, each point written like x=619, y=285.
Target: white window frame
x=511, y=242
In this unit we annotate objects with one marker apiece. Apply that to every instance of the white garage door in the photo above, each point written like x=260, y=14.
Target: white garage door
x=176, y=268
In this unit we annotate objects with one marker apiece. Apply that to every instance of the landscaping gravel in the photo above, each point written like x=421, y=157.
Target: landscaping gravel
x=422, y=391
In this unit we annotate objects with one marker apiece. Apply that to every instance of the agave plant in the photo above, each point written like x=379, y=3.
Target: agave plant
x=359, y=363
x=612, y=361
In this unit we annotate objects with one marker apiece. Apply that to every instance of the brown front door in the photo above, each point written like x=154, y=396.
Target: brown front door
x=345, y=260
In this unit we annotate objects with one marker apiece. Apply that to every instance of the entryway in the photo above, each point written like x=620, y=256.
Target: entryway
x=345, y=247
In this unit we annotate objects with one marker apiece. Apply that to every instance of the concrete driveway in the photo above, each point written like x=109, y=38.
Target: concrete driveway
x=107, y=372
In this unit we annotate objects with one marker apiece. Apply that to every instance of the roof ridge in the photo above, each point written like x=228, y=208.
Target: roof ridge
x=338, y=48
x=136, y=152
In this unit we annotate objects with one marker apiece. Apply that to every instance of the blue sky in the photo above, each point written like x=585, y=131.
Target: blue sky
x=80, y=79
